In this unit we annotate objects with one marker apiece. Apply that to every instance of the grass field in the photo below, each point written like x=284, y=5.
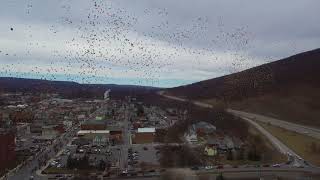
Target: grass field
x=301, y=144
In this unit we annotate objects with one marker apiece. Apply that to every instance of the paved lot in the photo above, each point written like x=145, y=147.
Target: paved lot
x=147, y=156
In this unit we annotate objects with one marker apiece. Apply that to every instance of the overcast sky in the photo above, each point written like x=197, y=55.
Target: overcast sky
x=162, y=43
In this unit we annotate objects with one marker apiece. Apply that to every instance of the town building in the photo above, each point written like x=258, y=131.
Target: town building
x=106, y=94
x=7, y=147
x=97, y=137
x=51, y=131
x=94, y=125
x=144, y=136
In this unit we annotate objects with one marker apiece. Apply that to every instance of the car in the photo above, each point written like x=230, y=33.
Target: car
x=163, y=170
x=276, y=165
x=145, y=148
x=235, y=166
x=208, y=167
x=220, y=167
x=195, y=168
x=266, y=165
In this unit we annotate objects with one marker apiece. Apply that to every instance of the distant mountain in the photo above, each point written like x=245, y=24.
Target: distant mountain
x=70, y=89
x=287, y=89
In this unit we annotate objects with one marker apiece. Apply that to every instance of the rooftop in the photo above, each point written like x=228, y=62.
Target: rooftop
x=143, y=130
x=93, y=132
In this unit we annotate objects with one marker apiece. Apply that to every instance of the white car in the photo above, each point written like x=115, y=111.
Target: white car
x=276, y=165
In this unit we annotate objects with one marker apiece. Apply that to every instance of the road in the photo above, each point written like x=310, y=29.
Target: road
x=29, y=169
x=126, y=141
x=282, y=148
x=309, y=131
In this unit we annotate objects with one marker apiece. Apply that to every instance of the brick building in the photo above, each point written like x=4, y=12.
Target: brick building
x=144, y=136
x=7, y=148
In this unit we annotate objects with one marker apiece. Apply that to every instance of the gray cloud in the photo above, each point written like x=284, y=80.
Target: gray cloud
x=181, y=39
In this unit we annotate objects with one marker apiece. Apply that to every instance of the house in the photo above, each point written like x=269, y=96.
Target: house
x=229, y=143
x=210, y=150
x=213, y=142
x=191, y=137
x=144, y=136
x=198, y=130
x=203, y=128
x=67, y=123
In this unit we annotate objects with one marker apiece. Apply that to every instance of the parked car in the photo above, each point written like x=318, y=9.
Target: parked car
x=276, y=165
x=220, y=167
x=195, y=168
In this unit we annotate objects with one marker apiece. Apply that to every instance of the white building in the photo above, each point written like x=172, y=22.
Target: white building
x=107, y=94
x=191, y=136
x=146, y=130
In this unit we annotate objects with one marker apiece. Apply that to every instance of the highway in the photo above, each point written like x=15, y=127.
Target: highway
x=309, y=131
x=282, y=148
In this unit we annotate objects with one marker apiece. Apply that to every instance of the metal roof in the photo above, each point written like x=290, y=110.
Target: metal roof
x=93, y=132
x=143, y=130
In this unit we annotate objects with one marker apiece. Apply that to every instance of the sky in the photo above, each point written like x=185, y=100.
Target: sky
x=163, y=43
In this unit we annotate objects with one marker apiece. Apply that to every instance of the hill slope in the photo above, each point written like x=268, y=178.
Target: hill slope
x=287, y=89
x=70, y=89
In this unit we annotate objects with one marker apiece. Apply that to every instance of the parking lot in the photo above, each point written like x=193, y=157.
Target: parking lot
x=147, y=154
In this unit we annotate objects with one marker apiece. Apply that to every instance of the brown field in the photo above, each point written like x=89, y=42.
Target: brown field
x=301, y=144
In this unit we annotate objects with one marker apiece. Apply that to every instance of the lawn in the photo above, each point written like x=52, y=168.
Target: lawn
x=301, y=144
